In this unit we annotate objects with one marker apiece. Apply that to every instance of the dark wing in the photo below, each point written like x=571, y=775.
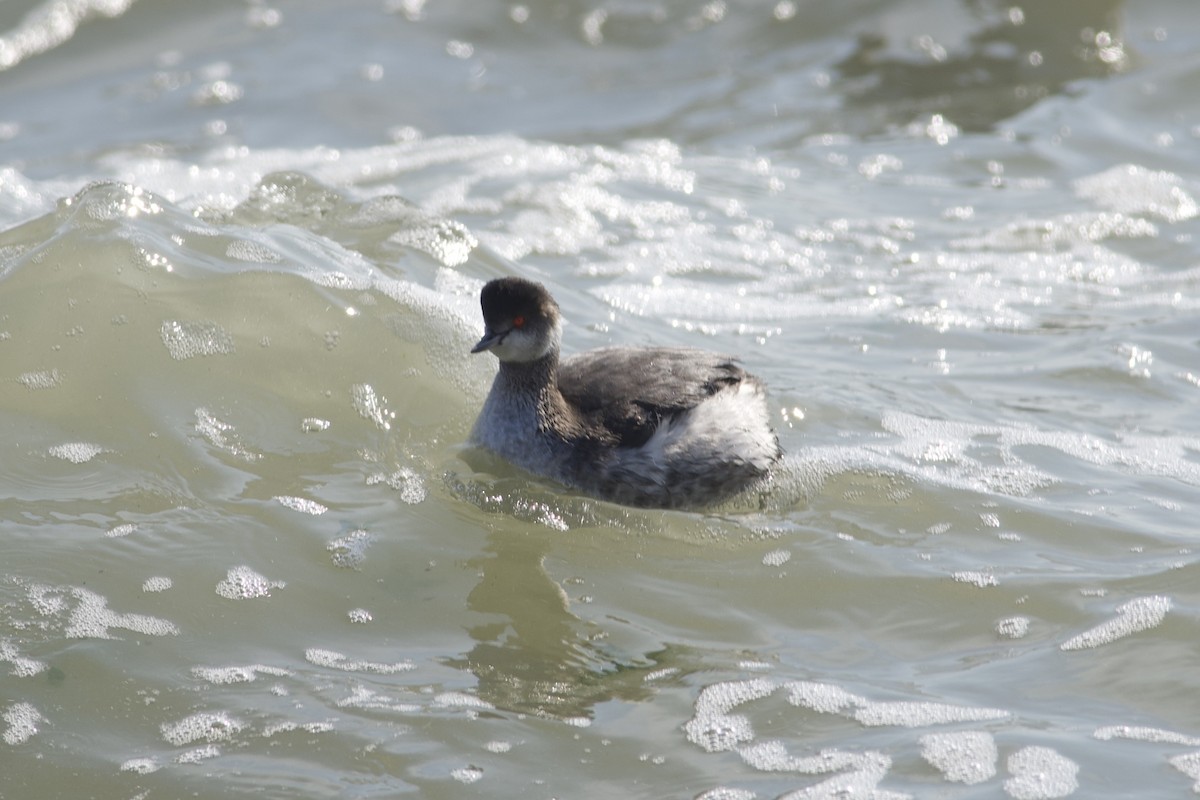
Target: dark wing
x=631, y=390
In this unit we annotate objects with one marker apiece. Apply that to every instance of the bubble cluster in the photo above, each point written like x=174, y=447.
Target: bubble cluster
x=222, y=435
x=76, y=452
x=335, y=660
x=198, y=754
x=21, y=666
x=1132, y=189
x=467, y=774
x=140, y=766
x=202, y=727
x=777, y=558
x=1039, y=773
x=448, y=241
x=371, y=406
x=301, y=504
x=1140, y=733
x=968, y=757
x=252, y=252
x=40, y=379
x=221, y=676
x=350, y=550
x=961, y=756
x=1188, y=764
x=91, y=618
x=712, y=727
x=186, y=340
x=21, y=721
x=408, y=483
x=1013, y=627
x=461, y=700
x=243, y=583
x=976, y=578
x=1138, y=614
x=156, y=583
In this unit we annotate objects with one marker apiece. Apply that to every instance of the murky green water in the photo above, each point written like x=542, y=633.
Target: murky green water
x=244, y=551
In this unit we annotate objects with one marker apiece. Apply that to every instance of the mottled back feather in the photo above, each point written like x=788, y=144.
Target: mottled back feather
x=629, y=391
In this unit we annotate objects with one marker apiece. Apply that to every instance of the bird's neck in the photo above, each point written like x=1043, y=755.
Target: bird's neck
x=532, y=377
x=536, y=384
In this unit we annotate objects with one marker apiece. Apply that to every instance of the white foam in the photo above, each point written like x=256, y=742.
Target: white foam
x=773, y=756
x=91, y=618
x=1138, y=614
x=185, y=340
x=467, y=774
x=860, y=775
x=726, y=793
x=350, y=550
x=1039, y=773
x=21, y=721
x=252, y=252
x=1166, y=456
x=227, y=675
x=1132, y=189
x=141, y=766
x=976, y=578
x=206, y=726
x=277, y=728
x=829, y=699
x=777, y=558
x=22, y=667
x=822, y=697
x=370, y=406
x=362, y=697
x=120, y=530
x=461, y=700
x=48, y=600
x=712, y=727
x=76, y=452
x=222, y=435
x=335, y=660
x=1188, y=764
x=40, y=379
x=198, y=754
x=910, y=714
x=408, y=483
x=1143, y=734
x=359, y=616
x=157, y=584
x=1012, y=627
x=962, y=756
x=448, y=241
x=301, y=504
x=243, y=583
x=50, y=24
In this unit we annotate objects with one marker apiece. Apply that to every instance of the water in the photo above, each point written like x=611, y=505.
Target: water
x=244, y=550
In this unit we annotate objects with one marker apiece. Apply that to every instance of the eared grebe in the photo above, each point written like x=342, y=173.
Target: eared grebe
x=654, y=426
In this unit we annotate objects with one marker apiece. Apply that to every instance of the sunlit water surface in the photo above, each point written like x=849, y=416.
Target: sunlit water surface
x=245, y=549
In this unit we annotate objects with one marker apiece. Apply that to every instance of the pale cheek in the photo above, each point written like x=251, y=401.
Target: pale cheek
x=517, y=346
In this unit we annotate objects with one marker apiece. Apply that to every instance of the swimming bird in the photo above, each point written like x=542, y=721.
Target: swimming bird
x=642, y=426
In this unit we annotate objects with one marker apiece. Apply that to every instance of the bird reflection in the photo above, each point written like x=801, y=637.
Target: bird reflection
x=535, y=656
x=532, y=654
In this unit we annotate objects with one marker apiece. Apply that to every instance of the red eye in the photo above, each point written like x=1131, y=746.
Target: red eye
x=518, y=322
